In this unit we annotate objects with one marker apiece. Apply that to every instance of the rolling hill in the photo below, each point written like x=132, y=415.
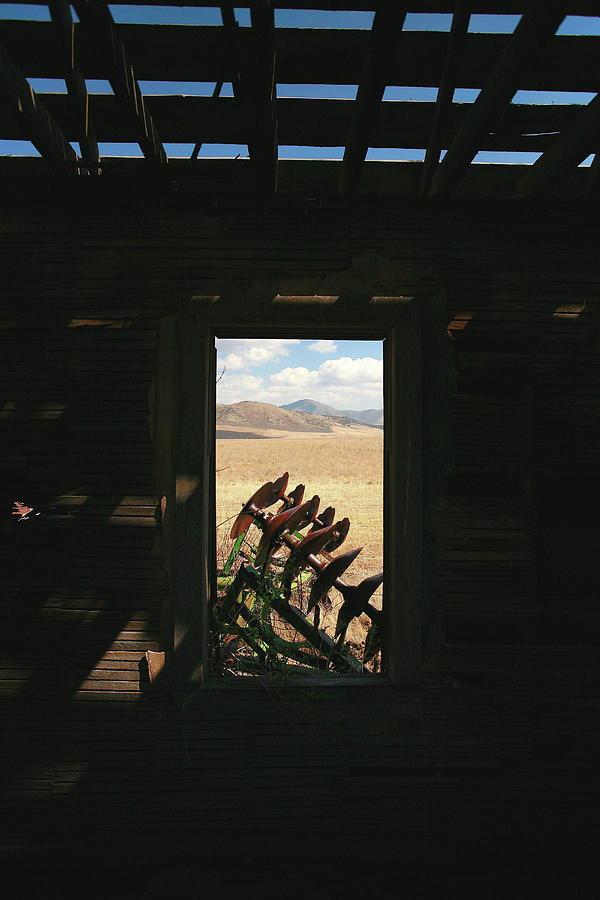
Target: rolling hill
x=373, y=417
x=255, y=418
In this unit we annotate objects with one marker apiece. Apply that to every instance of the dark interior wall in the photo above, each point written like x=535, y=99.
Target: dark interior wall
x=503, y=736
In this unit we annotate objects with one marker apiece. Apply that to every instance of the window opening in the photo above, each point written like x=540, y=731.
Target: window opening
x=299, y=437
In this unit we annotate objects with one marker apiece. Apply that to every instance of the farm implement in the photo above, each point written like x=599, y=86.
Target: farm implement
x=273, y=592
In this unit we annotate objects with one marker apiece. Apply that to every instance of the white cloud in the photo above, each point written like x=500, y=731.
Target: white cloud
x=298, y=377
x=243, y=353
x=344, y=383
x=232, y=362
x=233, y=388
x=324, y=346
x=361, y=372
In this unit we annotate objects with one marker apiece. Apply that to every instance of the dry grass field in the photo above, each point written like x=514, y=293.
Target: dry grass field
x=345, y=472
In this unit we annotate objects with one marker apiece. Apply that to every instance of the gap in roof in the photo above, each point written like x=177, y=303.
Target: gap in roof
x=166, y=15
x=395, y=154
x=421, y=94
x=303, y=151
x=492, y=24
x=184, y=88
x=48, y=85
x=427, y=22
x=178, y=151
x=587, y=161
x=317, y=91
x=580, y=25
x=223, y=151
x=322, y=18
x=117, y=148
x=242, y=16
x=98, y=86
x=30, y=11
x=557, y=98
x=506, y=157
x=17, y=148
x=466, y=95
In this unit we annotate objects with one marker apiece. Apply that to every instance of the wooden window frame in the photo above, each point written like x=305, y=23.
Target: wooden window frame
x=413, y=329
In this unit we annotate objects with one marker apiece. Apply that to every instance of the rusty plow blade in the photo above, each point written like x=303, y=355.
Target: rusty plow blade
x=294, y=498
x=265, y=496
x=305, y=553
x=340, y=533
x=285, y=521
x=356, y=600
x=275, y=582
x=324, y=519
x=329, y=575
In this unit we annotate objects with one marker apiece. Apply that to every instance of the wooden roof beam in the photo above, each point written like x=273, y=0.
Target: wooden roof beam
x=506, y=7
x=567, y=150
x=44, y=132
x=524, y=48
x=251, y=65
x=460, y=23
x=387, y=26
x=258, y=89
x=60, y=11
x=97, y=18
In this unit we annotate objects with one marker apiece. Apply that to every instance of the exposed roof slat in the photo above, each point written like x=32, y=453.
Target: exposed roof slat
x=65, y=28
x=98, y=24
x=566, y=151
x=489, y=7
x=28, y=110
x=460, y=23
x=383, y=39
x=322, y=123
x=536, y=27
x=257, y=91
x=318, y=56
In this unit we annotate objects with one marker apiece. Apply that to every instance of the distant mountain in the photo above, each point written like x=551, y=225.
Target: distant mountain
x=253, y=416
x=373, y=417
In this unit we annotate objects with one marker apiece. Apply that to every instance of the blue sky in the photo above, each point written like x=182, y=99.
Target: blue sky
x=302, y=19
x=343, y=374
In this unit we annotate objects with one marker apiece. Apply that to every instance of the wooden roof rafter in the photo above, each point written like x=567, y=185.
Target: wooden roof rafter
x=251, y=66
x=28, y=110
x=460, y=24
x=95, y=16
x=385, y=33
x=60, y=11
x=536, y=27
x=570, y=147
x=258, y=88
x=482, y=7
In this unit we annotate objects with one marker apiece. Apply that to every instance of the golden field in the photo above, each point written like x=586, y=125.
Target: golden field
x=345, y=471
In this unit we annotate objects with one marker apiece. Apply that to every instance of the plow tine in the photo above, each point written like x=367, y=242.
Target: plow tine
x=333, y=570
x=324, y=519
x=303, y=541
x=312, y=508
x=294, y=498
x=310, y=545
x=280, y=486
x=288, y=521
x=356, y=597
x=265, y=496
x=340, y=533
x=313, y=542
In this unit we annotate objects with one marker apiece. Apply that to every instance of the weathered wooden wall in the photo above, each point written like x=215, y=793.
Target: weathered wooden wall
x=504, y=738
